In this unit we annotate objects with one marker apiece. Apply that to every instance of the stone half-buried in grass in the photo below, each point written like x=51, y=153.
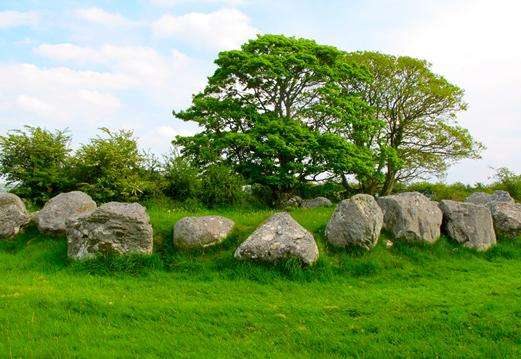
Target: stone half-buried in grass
x=356, y=222
x=200, y=232
x=13, y=215
x=469, y=224
x=279, y=238
x=114, y=227
x=411, y=216
x=52, y=218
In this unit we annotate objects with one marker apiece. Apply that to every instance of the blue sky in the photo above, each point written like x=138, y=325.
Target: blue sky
x=82, y=65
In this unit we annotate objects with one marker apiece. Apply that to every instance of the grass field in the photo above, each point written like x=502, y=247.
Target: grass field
x=406, y=301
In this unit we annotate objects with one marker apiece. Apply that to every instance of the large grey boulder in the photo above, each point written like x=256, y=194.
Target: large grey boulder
x=507, y=218
x=316, y=202
x=13, y=215
x=197, y=232
x=64, y=207
x=112, y=228
x=486, y=199
x=278, y=238
x=469, y=224
x=411, y=216
x=356, y=222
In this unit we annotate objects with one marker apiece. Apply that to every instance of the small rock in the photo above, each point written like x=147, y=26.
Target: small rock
x=112, y=228
x=388, y=243
x=507, y=218
x=356, y=221
x=292, y=202
x=13, y=215
x=64, y=207
x=469, y=224
x=193, y=232
x=411, y=216
x=485, y=198
x=278, y=238
x=316, y=202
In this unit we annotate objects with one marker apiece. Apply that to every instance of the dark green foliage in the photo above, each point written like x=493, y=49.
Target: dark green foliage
x=111, y=168
x=34, y=161
x=221, y=186
x=274, y=112
x=439, y=191
x=182, y=179
x=332, y=190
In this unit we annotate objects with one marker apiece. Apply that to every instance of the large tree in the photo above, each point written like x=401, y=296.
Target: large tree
x=421, y=136
x=275, y=111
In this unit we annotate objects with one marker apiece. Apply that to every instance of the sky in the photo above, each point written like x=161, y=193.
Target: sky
x=82, y=65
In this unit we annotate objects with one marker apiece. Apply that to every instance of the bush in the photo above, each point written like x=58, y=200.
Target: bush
x=508, y=181
x=111, y=168
x=332, y=190
x=35, y=162
x=182, y=181
x=439, y=191
x=221, y=186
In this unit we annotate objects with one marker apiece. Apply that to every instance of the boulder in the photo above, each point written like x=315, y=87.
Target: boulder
x=411, y=216
x=197, y=232
x=485, y=198
x=468, y=223
x=111, y=228
x=278, y=238
x=292, y=202
x=13, y=215
x=316, y=202
x=64, y=207
x=507, y=218
x=356, y=222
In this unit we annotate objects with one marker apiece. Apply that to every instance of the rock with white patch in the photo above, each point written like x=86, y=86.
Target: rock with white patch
x=199, y=232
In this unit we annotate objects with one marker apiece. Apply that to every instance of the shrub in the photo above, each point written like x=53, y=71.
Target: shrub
x=182, y=181
x=332, y=190
x=439, y=191
x=508, y=181
x=111, y=168
x=35, y=162
x=221, y=186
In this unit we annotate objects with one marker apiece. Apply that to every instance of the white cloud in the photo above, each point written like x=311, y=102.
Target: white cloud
x=170, y=3
x=219, y=30
x=99, y=16
x=66, y=52
x=18, y=18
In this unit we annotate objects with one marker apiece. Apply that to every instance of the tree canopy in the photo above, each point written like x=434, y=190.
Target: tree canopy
x=279, y=113
x=418, y=107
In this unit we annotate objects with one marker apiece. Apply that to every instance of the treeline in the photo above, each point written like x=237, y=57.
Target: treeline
x=39, y=164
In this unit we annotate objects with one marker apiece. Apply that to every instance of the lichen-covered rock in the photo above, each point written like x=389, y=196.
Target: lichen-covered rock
x=486, y=199
x=469, y=224
x=278, y=238
x=197, y=232
x=411, y=216
x=316, y=202
x=292, y=202
x=356, y=222
x=64, y=207
x=13, y=215
x=507, y=218
x=112, y=228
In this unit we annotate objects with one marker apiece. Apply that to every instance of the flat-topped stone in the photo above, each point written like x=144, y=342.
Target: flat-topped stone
x=198, y=232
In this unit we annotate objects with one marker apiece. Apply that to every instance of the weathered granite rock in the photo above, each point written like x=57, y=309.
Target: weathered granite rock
x=62, y=208
x=198, y=232
x=278, y=238
x=469, y=224
x=507, y=218
x=13, y=215
x=485, y=198
x=112, y=228
x=411, y=216
x=356, y=222
x=316, y=202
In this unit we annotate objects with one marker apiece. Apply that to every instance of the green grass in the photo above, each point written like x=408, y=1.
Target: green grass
x=407, y=301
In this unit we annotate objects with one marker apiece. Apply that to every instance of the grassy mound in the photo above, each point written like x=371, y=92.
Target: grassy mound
x=408, y=301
